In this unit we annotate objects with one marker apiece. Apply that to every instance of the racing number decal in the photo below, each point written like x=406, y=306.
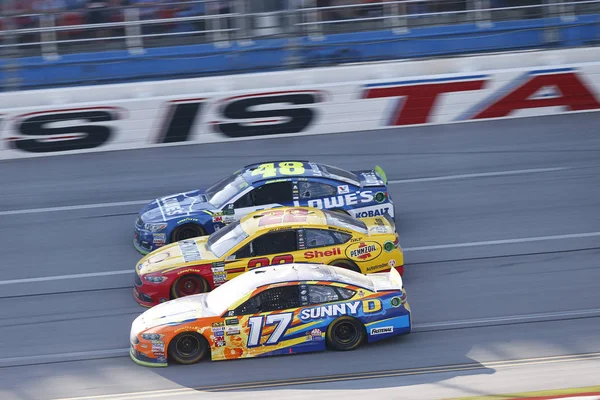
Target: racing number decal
x=280, y=216
x=264, y=261
x=285, y=168
x=257, y=323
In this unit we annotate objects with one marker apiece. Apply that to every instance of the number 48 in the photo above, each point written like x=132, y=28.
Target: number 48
x=257, y=323
x=285, y=168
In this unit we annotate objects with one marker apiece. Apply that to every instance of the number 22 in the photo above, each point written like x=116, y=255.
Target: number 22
x=257, y=323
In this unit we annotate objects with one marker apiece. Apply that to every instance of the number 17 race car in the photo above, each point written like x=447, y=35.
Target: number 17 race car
x=275, y=310
x=261, y=186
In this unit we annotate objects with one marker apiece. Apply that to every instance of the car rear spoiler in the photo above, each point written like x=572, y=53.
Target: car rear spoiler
x=395, y=278
x=381, y=174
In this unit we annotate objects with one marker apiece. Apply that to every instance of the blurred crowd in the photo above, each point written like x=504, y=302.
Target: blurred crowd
x=81, y=12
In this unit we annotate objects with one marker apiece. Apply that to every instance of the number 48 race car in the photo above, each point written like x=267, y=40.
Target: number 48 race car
x=260, y=186
x=275, y=310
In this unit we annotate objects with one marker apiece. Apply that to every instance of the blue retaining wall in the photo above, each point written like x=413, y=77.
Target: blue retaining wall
x=269, y=55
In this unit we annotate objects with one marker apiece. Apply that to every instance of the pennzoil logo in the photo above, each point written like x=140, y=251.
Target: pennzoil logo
x=364, y=250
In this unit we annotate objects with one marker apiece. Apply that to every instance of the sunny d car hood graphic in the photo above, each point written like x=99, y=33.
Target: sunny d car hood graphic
x=173, y=312
x=176, y=206
x=176, y=255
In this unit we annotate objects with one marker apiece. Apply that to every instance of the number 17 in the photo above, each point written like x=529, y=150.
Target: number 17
x=257, y=323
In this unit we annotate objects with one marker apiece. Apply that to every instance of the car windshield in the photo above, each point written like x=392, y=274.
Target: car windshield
x=221, y=192
x=345, y=221
x=226, y=239
x=222, y=297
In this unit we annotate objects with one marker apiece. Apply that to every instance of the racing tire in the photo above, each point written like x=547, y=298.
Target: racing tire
x=188, y=348
x=188, y=285
x=345, y=333
x=347, y=264
x=187, y=231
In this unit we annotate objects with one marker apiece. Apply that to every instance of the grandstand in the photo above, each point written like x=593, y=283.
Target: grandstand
x=49, y=43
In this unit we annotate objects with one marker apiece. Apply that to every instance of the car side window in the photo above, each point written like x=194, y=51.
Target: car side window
x=275, y=243
x=274, y=299
x=318, y=294
x=324, y=238
x=315, y=190
x=278, y=192
x=244, y=252
x=244, y=201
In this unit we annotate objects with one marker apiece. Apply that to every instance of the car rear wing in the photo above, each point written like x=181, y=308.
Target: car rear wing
x=380, y=174
x=396, y=279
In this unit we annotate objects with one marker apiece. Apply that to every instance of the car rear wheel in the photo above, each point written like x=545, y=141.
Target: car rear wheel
x=187, y=231
x=345, y=333
x=347, y=264
x=188, y=285
x=188, y=348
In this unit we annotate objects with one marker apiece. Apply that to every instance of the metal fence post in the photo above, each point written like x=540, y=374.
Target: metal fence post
x=133, y=31
x=398, y=9
x=11, y=49
x=48, y=36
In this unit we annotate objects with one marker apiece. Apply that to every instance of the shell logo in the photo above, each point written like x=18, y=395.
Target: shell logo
x=364, y=251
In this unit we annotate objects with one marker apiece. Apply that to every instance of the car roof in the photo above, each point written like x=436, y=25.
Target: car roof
x=311, y=169
x=308, y=272
x=251, y=222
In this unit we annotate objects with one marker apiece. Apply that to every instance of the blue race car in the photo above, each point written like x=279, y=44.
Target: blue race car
x=261, y=186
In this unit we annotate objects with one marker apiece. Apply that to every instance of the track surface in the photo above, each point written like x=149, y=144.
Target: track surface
x=473, y=304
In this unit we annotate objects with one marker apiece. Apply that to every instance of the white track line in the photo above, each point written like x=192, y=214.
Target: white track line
x=75, y=207
x=407, y=249
x=140, y=202
x=480, y=175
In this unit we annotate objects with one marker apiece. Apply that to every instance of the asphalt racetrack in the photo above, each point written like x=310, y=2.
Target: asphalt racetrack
x=500, y=222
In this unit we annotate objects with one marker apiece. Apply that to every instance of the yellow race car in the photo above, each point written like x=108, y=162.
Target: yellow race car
x=276, y=236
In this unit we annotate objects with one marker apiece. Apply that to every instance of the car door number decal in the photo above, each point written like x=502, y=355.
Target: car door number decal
x=264, y=261
x=256, y=324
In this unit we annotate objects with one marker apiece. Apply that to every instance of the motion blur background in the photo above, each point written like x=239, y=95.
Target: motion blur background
x=50, y=43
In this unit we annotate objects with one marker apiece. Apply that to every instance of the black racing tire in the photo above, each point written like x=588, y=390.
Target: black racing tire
x=187, y=231
x=345, y=333
x=188, y=285
x=188, y=348
x=347, y=264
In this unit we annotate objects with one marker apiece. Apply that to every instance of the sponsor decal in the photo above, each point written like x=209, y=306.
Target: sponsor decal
x=219, y=341
x=382, y=330
x=218, y=324
x=217, y=218
x=232, y=321
x=158, y=346
x=219, y=277
x=333, y=310
x=392, y=263
x=363, y=251
x=314, y=335
x=320, y=254
x=232, y=330
x=372, y=213
x=376, y=267
x=343, y=189
x=189, y=250
x=396, y=302
x=187, y=220
x=380, y=197
x=350, y=199
x=389, y=246
x=171, y=206
x=159, y=238
x=188, y=271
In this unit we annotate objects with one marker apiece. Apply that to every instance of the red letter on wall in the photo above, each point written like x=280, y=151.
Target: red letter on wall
x=420, y=99
x=572, y=93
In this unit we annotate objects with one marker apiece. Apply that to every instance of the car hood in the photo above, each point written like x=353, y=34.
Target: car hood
x=173, y=312
x=174, y=255
x=175, y=206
